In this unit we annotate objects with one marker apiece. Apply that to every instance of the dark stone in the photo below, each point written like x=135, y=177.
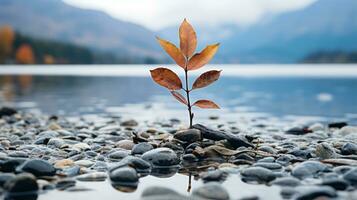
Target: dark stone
x=271, y=166
x=338, y=184
x=351, y=176
x=10, y=165
x=349, y=149
x=189, y=135
x=5, y=177
x=66, y=183
x=234, y=140
x=286, y=182
x=141, y=148
x=23, y=186
x=298, y=131
x=308, y=169
x=118, y=155
x=161, y=157
x=258, y=174
x=140, y=165
x=6, y=111
x=189, y=158
x=124, y=175
x=37, y=167
x=216, y=175
x=310, y=193
x=337, y=125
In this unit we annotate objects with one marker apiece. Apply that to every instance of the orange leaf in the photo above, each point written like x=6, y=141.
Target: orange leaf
x=200, y=59
x=179, y=97
x=206, y=79
x=206, y=104
x=173, y=51
x=188, y=39
x=166, y=78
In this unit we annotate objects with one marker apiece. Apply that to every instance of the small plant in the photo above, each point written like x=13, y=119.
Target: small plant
x=188, y=60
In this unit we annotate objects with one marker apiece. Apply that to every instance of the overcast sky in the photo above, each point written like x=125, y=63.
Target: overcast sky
x=156, y=14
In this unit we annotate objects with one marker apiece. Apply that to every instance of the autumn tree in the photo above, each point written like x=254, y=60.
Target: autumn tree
x=188, y=60
x=24, y=55
x=7, y=37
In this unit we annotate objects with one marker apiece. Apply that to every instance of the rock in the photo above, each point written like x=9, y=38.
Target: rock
x=189, y=135
x=161, y=157
x=286, y=182
x=81, y=146
x=189, y=158
x=234, y=140
x=325, y=151
x=37, y=167
x=64, y=163
x=155, y=192
x=94, y=176
x=6, y=111
x=5, y=177
x=351, y=176
x=258, y=174
x=337, y=125
x=311, y=192
x=216, y=175
x=336, y=183
x=66, y=183
x=141, y=148
x=18, y=154
x=56, y=142
x=84, y=163
x=297, y=131
x=125, y=144
x=211, y=191
x=349, y=149
x=23, y=186
x=267, y=160
x=118, y=155
x=129, y=123
x=10, y=165
x=271, y=166
x=124, y=175
x=267, y=149
x=72, y=171
x=308, y=169
x=140, y=165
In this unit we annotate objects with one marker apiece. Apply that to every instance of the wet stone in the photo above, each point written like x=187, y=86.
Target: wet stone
x=336, y=183
x=313, y=192
x=211, y=191
x=21, y=183
x=84, y=163
x=66, y=183
x=351, y=176
x=267, y=149
x=286, y=182
x=308, y=169
x=325, y=151
x=349, y=149
x=258, y=174
x=141, y=148
x=125, y=144
x=37, y=167
x=10, y=165
x=216, y=175
x=5, y=177
x=140, y=165
x=271, y=166
x=118, y=155
x=129, y=123
x=189, y=135
x=124, y=175
x=161, y=157
x=94, y=176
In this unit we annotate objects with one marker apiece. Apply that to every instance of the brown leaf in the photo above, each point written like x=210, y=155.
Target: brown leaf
x=188, y=39
x=166, y=78
x=179, y=97
x=173, y=51
x=206, y=104
x=206, y=79
x=200, y=59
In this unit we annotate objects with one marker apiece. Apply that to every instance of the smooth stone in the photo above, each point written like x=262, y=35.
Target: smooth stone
x=349, y=149
x=314, y=192
x=308, y=169
x=351, y=176
x=84, y=163
x=140, y=165
x=156, y=191
x=61, y=164
x=286, y=182
x=129, y=123
x=7, y=111
x=37, y=167
x=267, y=149
x=271, y=166
x=125, y=144
x=285, y=159
x=267, y=159
x=161, y=157
x=21, y=183
x=337, y=125
x=94, y=176
x=296, y=131
x=81, y=146
x=216, y=175
x=66, y=183
x=189, y=135
x=325, y=151
x=56, y=142
x=336, y=183
x=211, y=190
x=48, y=134
x=342, y=169
x=11, y=165
x=141, y=148
x=189, y=158
x=18, y=154
x=118, y=155
x=259, y=174
x=124, y=175
x=72, y=171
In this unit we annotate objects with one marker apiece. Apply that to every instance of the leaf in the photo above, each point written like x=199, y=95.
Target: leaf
x=173, y=51
x=207, y=104
x=206, y=79
x=200, y=59
x=179, y=97
x=166, y=78
x=188, y=39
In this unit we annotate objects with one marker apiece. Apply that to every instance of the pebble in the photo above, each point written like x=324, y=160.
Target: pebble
x=216, y=175
x=189, y=135
x=308, y=169
x=5, y=177
x=94, y=176
x=271, y=166
x=349, y=149
x=129, y=123
x=336, y=183
x=118, y=155
x=351, y=176
x=37, y=167
x=325, y=151
x=286, y=182
x=161, y=157
x=124, y=175
x=141, y=166
x=61, y=164
x=22, y=183
x=314, y=192
x=258, y=174
x=211, y=190
x=84, y=163
x=141, y=148
x=125, y=144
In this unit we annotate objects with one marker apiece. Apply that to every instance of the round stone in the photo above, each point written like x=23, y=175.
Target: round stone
x=125, y=144
x=141, y=148
x=258, y=174
x=308, y=169
x=124, y=175
x=20, y=184
x=189, y=135
x=37, y=167
x=161, y=157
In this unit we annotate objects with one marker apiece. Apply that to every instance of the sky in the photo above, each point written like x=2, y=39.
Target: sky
x=158, y=14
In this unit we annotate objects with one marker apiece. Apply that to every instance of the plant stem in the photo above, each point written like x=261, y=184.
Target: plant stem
x=188, y=96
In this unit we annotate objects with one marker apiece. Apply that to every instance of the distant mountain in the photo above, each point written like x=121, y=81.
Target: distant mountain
x=53, y=19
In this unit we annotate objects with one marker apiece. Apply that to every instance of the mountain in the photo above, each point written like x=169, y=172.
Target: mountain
x=54, y=19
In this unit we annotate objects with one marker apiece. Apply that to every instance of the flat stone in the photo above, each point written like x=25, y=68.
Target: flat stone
x=286, y=182
x=84, y=163
x=351, y=176
x=21, y=183
x=37, y=167
x=189, y=135
x=258, y=174
x=141, y=148
x=211, y=190
x=124, y=175
x=161, y=157
x=94, y=176
x=308, y=169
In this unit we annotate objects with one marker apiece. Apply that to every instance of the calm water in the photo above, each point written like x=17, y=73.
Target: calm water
x=284, y=90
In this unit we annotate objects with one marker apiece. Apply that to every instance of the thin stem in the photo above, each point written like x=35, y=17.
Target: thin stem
x=189, y=183
x=188, y=95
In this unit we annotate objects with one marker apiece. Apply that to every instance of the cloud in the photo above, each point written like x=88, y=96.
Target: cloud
x=157, y=14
